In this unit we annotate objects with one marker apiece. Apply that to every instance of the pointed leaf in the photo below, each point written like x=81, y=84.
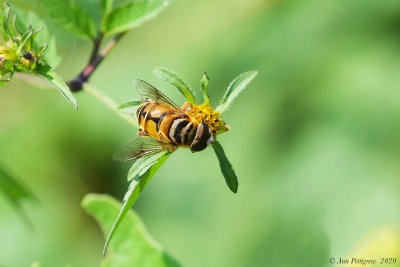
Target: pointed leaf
x=234, y=88
x=24, y=19
x=11, y=26
x=135, y=188
x=4, y=33
x=4, y=81
x=71, y=17
x=6, y=15
x=132, y=245
x=129, y=107
x=12, y=189
x=106, y=7
x=226, y=167
x=204, y=87
x=27, y=35
x=174, y=79
x=52, y=77
x=42, y=49
x=133, y=14
x=143, y=164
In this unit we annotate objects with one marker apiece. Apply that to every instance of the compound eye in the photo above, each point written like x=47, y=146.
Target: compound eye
x=200, y=141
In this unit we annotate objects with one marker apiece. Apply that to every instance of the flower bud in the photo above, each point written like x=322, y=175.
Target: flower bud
x=28, y=59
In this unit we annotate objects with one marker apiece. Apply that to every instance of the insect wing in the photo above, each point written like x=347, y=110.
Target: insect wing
x=147, y=91
x=140, y=147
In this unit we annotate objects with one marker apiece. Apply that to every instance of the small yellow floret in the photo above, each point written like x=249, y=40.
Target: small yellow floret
x=204, y=113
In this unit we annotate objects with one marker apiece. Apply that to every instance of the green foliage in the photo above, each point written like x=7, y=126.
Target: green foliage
x=234, y=88
x=204, y=87
x=52, y=77
x=133, y=14
x=143, y=164
x=71, y=17
x=20, y=56
x=129, y=107
x=12, y=189
x=174, y=79
x=51, y=56
x=144, y=171
x=133, y=245
x=27, y=35
x=5, y=30
x=106, y=7
x=226, y=167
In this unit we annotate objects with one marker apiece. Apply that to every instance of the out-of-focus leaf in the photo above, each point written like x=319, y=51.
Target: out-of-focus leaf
x=132, y=245
x=234, y=88
x=11, y=26
x=133, y=14
x=5, y=30
x=106, y=6
x=71, y=17
x=226, y=167
x=24, y=19
x=52, y=77
x=135, y=188
x=174, y=79
x=204, y=87
x=129, y=107
x=12, y=189
x=4, y=81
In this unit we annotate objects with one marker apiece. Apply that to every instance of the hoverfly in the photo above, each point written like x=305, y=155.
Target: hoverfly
x=163, y=126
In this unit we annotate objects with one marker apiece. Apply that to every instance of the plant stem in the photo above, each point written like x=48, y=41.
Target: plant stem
x=78, y=83
x=96, y=46
x=90, y=89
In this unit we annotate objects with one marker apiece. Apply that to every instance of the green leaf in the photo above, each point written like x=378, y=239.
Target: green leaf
x=133, y=14
x=106, y=6
x=27, y=35
x=12, y=189
x=234, y=88
x=204, y=87
x=52, y=77
x=42, y=49
x=143, y=164
x=174, y=79
x=4, y=34
x=71, y=17
x=5, y=31
x=135, y=188
x=129, y=107
x=226, y=167
x=8, y=65
x=24, y=19
x=11, y=26
x=4, y=81
x=132, y=245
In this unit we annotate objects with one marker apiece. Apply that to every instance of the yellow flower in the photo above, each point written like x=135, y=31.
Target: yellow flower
x=204, y=113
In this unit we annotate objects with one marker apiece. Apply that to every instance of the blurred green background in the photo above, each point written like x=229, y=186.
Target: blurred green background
x=315, y=138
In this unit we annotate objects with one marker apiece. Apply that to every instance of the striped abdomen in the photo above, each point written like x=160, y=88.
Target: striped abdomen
x=166, y=124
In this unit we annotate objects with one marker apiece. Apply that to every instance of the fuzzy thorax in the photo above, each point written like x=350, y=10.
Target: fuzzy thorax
x=204, y=113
